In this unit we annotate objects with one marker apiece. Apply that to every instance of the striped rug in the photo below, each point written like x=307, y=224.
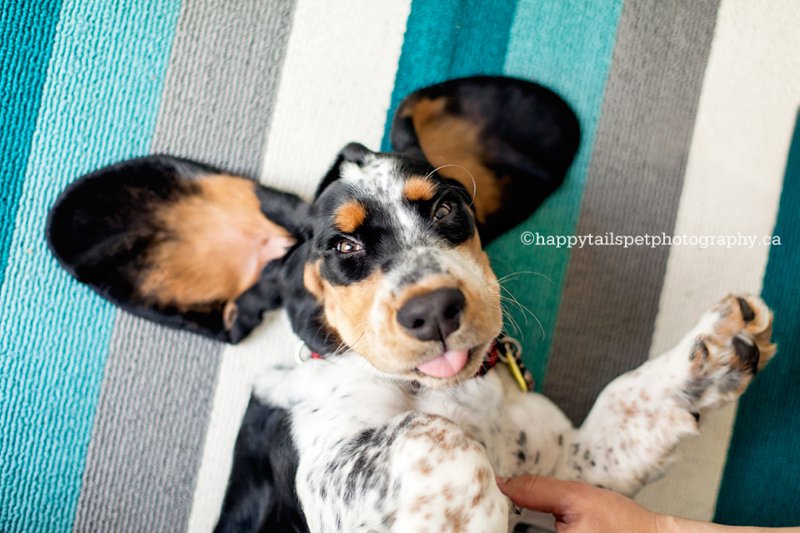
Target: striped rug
x=690, y=127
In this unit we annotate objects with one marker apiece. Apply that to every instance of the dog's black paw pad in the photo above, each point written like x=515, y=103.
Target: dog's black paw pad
x=747, y=312
x=748, y=353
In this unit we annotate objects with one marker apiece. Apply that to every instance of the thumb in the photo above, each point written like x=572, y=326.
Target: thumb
x=538, y=493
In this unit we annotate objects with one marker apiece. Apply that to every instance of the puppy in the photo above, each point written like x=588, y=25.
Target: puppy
x=396, y=424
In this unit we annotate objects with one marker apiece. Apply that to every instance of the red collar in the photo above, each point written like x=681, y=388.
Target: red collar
x=491, y=359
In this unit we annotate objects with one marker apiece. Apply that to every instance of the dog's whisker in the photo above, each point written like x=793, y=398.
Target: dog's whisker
x=343, y=346
x=513, y=300
x=340, y=349
x=360, y=337
x=518, y=330
x=523, y=308
x=453, y=165
x=513, y=322
x=513, y=275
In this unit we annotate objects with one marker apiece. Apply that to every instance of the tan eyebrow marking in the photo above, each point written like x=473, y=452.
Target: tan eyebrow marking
x=419, y=189
x=350, y=216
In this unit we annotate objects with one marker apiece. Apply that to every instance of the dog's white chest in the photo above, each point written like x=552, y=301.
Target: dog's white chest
x=348, y=421
x=335, y=399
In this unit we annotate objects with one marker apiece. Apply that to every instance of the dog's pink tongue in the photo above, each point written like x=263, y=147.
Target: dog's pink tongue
x=446, y=365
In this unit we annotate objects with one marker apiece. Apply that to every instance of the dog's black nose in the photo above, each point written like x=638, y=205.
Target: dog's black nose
x=433, y=316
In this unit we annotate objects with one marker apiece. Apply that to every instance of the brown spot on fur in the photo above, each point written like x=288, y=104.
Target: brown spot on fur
x=482, y=477
x=212, y=245
x=456, y=518
x=424, y=467
x=418, y=188
x=448, y=493
x=349, y=216
x=419, y=503
x=442, y=434
x=629, y=409
x=436, y=130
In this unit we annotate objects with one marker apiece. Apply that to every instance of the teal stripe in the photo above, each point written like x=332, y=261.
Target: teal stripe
x=567, y=46
x=448, y=39
x=99, y=104
x=26, y=31
x=760, y=484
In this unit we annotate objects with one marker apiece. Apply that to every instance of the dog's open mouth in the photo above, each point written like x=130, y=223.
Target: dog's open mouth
x=447, y=364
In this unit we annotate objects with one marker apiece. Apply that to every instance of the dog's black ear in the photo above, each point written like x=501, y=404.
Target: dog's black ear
x=508, y=141
x=177, y=242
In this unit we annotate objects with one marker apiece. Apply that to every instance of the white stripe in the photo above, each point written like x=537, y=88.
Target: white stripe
x=734, y=175
x=335, y=88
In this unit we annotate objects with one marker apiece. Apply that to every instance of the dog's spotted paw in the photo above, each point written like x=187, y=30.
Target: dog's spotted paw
x=732, y=345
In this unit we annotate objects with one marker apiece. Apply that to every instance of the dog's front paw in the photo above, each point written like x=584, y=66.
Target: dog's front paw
x=732, y=345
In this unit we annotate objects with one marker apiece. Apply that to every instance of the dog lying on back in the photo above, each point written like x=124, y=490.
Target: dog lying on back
x=394, y=427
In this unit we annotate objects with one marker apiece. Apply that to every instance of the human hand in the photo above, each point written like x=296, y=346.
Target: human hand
x=580, y=508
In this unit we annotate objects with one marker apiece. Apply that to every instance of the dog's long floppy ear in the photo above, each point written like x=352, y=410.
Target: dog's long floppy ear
x=508, y=140
x=177, y=242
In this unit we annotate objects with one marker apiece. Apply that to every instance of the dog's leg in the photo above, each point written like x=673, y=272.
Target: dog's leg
x=446, y=482
x=638, y=419
x=261, y=492
x=417, y=473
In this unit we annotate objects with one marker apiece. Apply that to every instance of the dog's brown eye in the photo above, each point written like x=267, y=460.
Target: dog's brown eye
x=442, y=211
x=346, y=246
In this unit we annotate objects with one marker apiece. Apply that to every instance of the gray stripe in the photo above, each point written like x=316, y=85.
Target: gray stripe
x=148, y=432
x=222, y=81
x=158, y=385
x=610, y=298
